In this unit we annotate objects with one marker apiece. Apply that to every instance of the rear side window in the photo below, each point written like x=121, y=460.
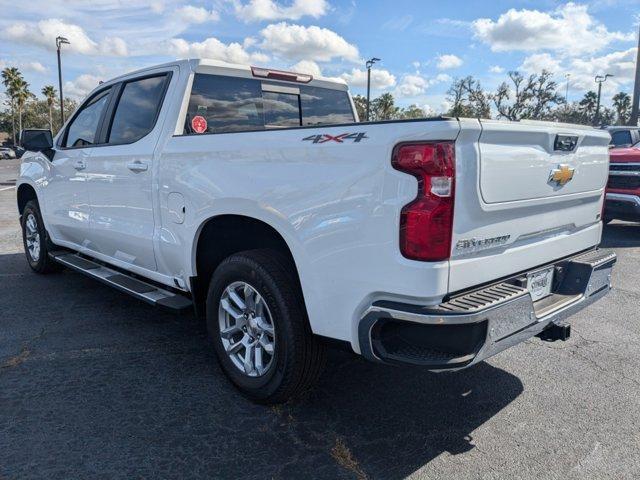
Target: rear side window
x=323, y=106
x=221, y=104
x=227, y=104
x=621, y=137
x=83, y=130
x=137, y=109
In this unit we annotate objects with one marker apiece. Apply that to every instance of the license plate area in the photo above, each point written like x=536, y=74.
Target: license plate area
x=539, y=283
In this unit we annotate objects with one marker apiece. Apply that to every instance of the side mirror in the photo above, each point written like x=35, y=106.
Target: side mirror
x=36, y=140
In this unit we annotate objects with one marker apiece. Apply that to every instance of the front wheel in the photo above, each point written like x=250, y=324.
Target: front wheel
x=35, y=240
x=257, y=321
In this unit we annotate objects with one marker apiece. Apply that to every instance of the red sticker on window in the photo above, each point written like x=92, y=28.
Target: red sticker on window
x=199, y=124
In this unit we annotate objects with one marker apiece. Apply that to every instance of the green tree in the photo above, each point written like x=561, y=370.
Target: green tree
x=384, y=108
x=412, y=111
x=20, y=92
x=588, y=105
x=622, y=106
x=9, y=76
x=50, y=93
x=361, y=107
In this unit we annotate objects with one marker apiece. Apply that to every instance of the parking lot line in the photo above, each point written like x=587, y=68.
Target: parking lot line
x=6, y=188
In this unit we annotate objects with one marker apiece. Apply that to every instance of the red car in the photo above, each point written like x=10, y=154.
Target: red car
x=623, y=189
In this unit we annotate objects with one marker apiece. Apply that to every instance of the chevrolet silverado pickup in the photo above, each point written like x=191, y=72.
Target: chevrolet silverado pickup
x=256, y=197
x=623, y=188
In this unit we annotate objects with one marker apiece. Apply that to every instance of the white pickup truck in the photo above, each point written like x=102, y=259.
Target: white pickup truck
x=257, y=197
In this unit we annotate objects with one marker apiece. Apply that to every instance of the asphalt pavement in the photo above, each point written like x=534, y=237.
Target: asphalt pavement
x=95, y=384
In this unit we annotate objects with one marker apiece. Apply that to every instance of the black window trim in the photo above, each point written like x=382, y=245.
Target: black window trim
x=63, y=138
x=104, y=126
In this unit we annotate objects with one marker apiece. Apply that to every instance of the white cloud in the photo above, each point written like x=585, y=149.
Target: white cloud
x=446, y=62
x=44, y=33
x=415, y=85
x=379, y=78
x=569, y=29
x=620, y=64
x=296, y=42
x=307, y=66
x=81, y=86
x=412, y=86
x=258, y=10
x=36, y=67
x=190, y=14
x=216, y=50
x=496, y=69
x=114, y=46
x=538, y=62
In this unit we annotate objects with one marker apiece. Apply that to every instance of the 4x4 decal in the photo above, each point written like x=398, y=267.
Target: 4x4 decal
x=324, y=138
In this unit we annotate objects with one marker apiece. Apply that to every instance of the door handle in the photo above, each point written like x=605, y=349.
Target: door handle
x=137, y=166
x=80, y=165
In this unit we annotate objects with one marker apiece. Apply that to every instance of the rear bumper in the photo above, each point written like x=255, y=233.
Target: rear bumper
x=477, y=324
x=622, y=206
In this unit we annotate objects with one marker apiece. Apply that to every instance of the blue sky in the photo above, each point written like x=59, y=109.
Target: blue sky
x=423, y=44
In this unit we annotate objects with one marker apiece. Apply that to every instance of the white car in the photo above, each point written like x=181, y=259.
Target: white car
x=256, y=197
x=7, y=153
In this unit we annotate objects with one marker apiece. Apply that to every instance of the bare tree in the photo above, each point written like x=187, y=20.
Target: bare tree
x=468, y=99
x=531, y=97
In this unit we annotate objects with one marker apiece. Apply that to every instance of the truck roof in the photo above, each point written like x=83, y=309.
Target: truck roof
x=207, y=65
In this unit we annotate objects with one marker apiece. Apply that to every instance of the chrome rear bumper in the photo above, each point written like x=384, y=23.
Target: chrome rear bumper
x=475, y=325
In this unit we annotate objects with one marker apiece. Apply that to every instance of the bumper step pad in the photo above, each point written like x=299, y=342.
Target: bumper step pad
x=125, y=283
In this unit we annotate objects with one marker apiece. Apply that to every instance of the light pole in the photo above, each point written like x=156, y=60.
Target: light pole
x=599, y=80
x=369, y=64
x=59, y=42
x=566, y=95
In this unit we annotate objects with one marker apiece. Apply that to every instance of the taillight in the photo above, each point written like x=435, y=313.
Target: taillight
x=426, y=224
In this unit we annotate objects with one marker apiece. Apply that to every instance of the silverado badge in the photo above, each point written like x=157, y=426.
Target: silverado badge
x=562, y=175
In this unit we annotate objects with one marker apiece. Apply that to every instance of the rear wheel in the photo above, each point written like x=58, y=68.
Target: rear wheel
x=36, y=241
x=257, y=322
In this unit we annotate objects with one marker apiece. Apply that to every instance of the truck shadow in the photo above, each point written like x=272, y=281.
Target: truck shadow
x=621, y=235
x=94, y=383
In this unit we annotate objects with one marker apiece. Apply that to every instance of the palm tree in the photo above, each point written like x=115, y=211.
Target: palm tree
x=50, y=93
x=588, y=104
x=21, y=93
x=9, y=76
x=622, y=104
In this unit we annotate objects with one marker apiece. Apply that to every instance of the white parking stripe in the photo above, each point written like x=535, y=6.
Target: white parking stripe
x=7, y=188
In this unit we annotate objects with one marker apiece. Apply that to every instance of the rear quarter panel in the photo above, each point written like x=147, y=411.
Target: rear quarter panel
x=336, y=204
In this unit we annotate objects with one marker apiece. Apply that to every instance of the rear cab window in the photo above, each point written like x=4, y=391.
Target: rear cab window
x=137, y=109
x=221, y=104
x=621, y=137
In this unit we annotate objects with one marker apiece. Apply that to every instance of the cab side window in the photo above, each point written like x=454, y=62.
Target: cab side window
x=83, y=130
x=137, y=109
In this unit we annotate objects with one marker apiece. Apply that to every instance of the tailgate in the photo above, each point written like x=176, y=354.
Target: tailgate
x=527, y=193
x=518, y=160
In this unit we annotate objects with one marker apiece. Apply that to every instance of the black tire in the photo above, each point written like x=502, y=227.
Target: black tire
x=41, y=263
x=298, y=357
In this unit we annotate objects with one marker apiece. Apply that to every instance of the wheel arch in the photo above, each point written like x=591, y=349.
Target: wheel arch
x=223, y=235
x=25, y=193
